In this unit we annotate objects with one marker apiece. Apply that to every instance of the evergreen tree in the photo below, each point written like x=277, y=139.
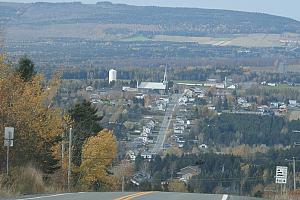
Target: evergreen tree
x=225, y=104
x=86, y=124
x=26, y=69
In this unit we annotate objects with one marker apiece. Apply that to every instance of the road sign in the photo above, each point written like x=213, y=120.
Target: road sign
x=9, y=133
x=281, y=174
x=9, y=136
x=8, y=142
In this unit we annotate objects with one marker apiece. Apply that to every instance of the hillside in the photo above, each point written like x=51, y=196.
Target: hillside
x=145, y=20
x=106, y=34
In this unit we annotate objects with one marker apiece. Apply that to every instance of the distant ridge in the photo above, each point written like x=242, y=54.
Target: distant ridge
x=164, y=20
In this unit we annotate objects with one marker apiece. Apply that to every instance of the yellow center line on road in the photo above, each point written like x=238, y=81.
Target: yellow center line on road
x=124, y=197
x=132, y=196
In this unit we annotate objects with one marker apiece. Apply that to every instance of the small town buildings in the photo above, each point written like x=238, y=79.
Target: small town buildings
x=186, y=173
x=89, y=88
x=130, y=155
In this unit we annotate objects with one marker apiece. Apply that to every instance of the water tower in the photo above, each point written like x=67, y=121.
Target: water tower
x=112, y=75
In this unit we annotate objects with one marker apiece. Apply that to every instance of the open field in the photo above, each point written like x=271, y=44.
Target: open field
x=105, y=32
x=249, y=40
x=294, y=115
x=293, y=68
x=282, y=87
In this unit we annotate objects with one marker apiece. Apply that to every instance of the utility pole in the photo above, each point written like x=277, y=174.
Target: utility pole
x=70, y=154
x=62, y=148
x=294, y=171
x=123, y=183
x=7, y=158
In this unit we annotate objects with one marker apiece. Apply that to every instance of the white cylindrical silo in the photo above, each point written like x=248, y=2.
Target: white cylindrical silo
x=112, y=75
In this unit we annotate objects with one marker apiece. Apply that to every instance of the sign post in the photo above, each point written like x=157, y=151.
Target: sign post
x=281, y=175
x=8, y=142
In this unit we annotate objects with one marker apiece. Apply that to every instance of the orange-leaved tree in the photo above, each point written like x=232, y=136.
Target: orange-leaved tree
x=98, y=153
x=25, y=105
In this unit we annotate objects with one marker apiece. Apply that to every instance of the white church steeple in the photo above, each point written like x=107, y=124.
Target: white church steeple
x=165, y=76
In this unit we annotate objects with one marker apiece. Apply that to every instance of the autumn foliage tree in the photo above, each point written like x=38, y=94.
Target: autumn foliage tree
x=98, y=153
x=24, y=105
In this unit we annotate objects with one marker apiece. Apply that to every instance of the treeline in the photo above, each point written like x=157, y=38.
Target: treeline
x=156, y=73
x=212, y=167
x=282, y=94
x=235, y=129
x=217, y=173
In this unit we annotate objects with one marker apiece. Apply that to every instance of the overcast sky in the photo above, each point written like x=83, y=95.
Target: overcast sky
x=288, y=8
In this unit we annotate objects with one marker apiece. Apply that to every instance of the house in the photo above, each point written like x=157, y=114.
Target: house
x=180, y=145
x=242, y=101
x=292, y=103
x=282, y=109
x=183, y=100
x=186, y=173
x=139, y=96
x=192, y=100
x=210, y=107
x=202, y=95
x=151, y=123
x=147, y=130
x=220, y=86
x=150, y=140
x=203, y=146
x=166, y=100
x=144, y=134
x=140, y=177
x=89, y=88
x=198, y=91
x=188, y=92
x=272, y=84
x=232, y=87
x=144, y=139
x=178, y=130
x=274, y=105
x=130, y=155
x=147, y=155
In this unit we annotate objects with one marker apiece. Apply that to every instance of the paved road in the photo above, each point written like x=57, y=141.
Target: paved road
x=136, y=196
x=165, y=124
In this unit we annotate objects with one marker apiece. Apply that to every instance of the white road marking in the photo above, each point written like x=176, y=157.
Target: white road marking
x=225, y=197
x=48, y=196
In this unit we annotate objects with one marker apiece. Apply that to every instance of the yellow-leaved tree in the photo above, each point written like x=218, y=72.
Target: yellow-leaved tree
x=98, y=153
x=26, y=106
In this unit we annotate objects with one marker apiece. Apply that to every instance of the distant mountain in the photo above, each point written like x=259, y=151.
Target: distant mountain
x=126, y=19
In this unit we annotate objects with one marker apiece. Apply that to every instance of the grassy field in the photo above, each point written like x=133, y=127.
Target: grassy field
x=136, y=38
x=282, y=87
x=294, y=114
x=251, y=40
x=245, y=40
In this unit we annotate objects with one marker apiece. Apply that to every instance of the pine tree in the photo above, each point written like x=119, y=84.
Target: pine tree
x=26, y=69
x=85, y=125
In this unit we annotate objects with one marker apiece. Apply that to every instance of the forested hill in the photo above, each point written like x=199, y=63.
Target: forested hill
x=148, y=20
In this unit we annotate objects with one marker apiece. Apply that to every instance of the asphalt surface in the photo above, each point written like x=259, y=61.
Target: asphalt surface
x=135, y=196
x=165, y=124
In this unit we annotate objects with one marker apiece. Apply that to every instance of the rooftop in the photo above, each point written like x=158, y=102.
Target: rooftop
x=152, y=86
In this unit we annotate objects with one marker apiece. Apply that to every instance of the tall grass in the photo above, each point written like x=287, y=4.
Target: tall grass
x=28, y=180
x=5, y=189
x=23, y=180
